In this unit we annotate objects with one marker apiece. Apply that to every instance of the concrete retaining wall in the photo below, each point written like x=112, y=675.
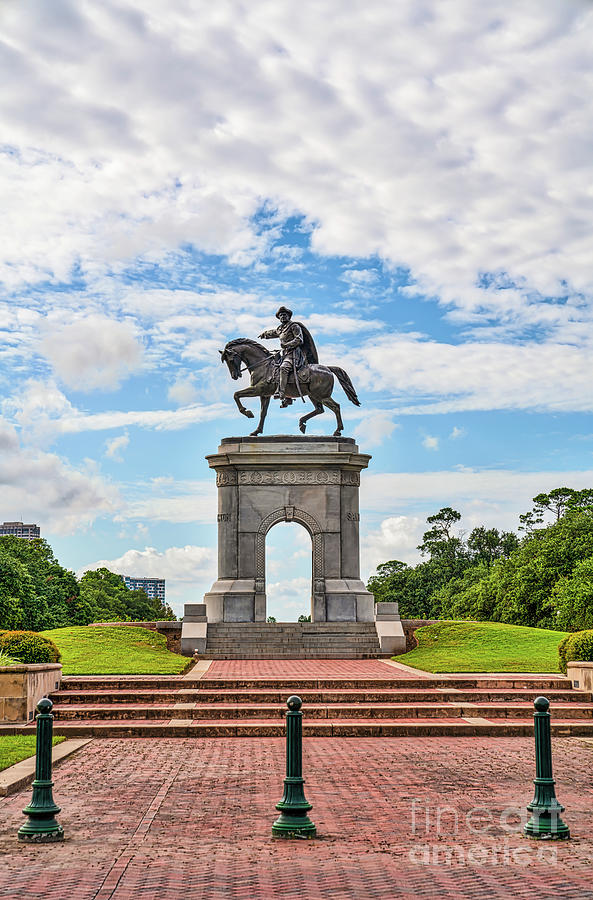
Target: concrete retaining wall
x=581, y=675
x=22, y=687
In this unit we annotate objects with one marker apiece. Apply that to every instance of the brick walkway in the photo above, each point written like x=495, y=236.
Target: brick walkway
x=305, y=668
x=169, y=819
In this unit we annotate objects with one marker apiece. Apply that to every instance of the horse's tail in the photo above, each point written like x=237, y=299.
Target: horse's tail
x=347, y=385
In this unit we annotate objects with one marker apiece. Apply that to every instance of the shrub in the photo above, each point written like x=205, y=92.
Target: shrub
x=6, y=660
x=28, y=647
x=576, y=646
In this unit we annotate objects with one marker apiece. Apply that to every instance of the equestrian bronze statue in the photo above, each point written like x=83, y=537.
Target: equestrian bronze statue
x=293, y=371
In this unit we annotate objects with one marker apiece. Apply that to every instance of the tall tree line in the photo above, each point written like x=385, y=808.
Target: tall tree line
x=542, y=576
x=36, y=592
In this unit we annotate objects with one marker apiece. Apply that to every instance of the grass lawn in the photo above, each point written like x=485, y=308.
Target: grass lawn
x=87, y=650
x=484, y=647
x=14, y=747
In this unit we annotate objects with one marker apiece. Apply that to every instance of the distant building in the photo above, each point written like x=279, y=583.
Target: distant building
x=29, y=532
x=153, y=587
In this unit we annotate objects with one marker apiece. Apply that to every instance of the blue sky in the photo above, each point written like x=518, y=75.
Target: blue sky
x=412, y=179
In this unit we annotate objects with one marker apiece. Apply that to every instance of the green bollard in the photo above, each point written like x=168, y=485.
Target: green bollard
x=293, y=821
x=545, y=822
x=41, y=826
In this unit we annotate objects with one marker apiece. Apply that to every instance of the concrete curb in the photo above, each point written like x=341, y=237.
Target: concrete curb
x=17, y=777
x=198, y=671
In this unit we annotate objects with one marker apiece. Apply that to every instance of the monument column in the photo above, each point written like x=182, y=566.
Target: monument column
x=310, y=480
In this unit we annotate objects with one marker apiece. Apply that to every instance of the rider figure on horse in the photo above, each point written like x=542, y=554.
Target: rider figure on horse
x=297, y=349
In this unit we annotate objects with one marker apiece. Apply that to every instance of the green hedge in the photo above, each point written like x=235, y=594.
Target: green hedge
x=578, y=645
x=29, y=647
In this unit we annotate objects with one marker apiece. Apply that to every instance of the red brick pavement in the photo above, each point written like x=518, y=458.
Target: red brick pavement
x=306, y=668
x=169, y=819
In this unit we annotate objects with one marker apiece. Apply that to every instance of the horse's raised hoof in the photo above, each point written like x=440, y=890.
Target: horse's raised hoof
x=248, y=413
x=338, y=432
x=303, y=426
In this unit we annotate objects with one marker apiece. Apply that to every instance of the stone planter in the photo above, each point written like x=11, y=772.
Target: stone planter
x=22, y=687
x=581, y=675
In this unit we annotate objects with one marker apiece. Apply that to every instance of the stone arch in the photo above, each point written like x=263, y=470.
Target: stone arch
x=290, y=514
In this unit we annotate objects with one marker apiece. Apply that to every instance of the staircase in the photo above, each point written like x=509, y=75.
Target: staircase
x=292, y=640
x=175, y=706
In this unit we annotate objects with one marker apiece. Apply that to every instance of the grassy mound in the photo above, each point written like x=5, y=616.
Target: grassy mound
x=484, y=647
x=15, y=747
x=90, y=650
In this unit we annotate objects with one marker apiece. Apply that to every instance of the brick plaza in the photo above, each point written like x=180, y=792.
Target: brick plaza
x=162, y=819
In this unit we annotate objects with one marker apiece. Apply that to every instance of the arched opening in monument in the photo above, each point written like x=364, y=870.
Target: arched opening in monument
x=288, y=572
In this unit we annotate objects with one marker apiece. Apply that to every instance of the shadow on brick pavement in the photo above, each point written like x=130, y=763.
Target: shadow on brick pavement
x=162, y=819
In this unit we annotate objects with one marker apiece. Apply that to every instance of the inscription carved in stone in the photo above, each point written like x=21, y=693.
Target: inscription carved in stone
x=353, y=517
x=224, y=517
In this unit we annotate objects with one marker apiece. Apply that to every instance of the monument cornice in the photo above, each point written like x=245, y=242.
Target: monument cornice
x=340, y=459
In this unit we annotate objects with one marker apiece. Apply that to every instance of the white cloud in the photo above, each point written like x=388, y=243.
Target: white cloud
x=474, y=375
x=374, y=428
x=171, y=501
x=42, y=410
x=94, y=352
x=457, y=433
x=333, y=324
x=114, y=447
x=453, y=141
x=491, y=497
x=43, y=488
x=396, y=538
x=180, y=566
x=430, y=442
x=183, y=391
x=483, y=496
x=356, y=277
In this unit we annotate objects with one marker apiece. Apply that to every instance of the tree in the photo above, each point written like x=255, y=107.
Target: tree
x=557, y=502
x=487, y=544
x=15, y=584
x=389, y=582
x=519, y=589
x=48, y=593
x=572, y=598
x=107, y=599
x=439, y=541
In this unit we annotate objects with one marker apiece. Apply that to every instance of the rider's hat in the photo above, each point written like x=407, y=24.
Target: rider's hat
x=284, y=309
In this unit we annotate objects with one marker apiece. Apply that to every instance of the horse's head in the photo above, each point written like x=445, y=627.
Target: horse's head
x=233, y=361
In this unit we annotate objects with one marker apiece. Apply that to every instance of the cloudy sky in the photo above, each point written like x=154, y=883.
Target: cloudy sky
x=415, y=179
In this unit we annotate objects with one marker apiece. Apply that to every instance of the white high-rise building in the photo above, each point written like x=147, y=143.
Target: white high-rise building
x=18, y=529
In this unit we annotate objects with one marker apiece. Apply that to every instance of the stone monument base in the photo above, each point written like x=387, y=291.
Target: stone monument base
x=293, y=640
x=313, y=481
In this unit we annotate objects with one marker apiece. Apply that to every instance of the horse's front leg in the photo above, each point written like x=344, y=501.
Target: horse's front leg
x=246, y=392
x=265, y=402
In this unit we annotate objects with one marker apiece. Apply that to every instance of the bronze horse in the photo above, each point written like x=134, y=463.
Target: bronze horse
x=317, y=384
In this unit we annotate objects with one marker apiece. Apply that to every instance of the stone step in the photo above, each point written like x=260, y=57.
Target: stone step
x=231, y=711
x=292, y=626
x=312, y=728
x=324, y=640
x=535, y=683
x=440, y=695
x=296, y=640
